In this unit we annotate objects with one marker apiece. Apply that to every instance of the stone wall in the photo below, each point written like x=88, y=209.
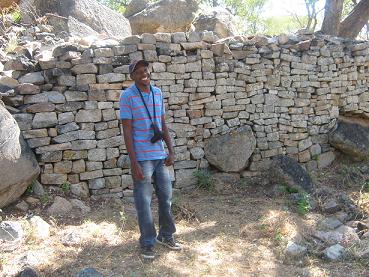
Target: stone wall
x=289, y=89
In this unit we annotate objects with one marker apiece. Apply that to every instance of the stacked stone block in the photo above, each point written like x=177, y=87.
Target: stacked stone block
x=290, y=90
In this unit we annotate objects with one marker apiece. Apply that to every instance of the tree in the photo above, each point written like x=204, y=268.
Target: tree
x=351, y=26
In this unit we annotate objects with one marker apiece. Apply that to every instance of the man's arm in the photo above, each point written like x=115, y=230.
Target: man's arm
x=136, y=169
x=170, y=159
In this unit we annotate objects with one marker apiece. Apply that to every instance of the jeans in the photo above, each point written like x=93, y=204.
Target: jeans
x=142, y=193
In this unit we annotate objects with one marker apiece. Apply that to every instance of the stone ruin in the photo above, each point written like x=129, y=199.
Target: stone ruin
x=232, y=104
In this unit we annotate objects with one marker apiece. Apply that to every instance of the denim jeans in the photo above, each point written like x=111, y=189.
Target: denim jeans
x=142, y=193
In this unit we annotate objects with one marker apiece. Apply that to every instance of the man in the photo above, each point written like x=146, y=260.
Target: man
x=144, y=129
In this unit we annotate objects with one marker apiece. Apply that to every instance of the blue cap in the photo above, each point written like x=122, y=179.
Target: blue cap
x=132, y=67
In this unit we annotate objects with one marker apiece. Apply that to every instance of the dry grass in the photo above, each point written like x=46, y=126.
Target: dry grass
x=238, y=233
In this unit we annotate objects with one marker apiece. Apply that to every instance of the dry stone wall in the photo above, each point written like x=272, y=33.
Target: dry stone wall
x=289, y=89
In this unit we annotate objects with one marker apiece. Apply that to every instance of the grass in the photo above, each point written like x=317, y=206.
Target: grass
x=204, y=180
x=66, y=187
x=303, y=204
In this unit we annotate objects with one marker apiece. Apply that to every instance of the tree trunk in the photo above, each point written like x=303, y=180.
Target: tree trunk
x=332, y=17
x=355, y=21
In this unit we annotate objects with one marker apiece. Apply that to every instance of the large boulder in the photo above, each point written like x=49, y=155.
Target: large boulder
x=231, y=152
x=165, y=16
x=90, y=12
x=18, y=165
x=218, y=20
x=352, y=139
x=135, y=7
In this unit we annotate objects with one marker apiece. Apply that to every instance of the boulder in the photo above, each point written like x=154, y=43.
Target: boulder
x=164, y=16
x=231, y=152
x=351, y=139
x=89, y=12
x=71, y=25
x=135, y=7
x=218, y=20
x=284, y=170
x=60, y=206
x=18, y=164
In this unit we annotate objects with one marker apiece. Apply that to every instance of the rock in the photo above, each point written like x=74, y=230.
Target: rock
x=135, y=7
x=330, y=223
x=29, y=272
x=18, y=164
x=22, y=206
x=32, y=78
x=185, y=178
x=27, y=89
x=89, y=12
x=80, y=190
x=295, y=250
x=231, y=152
x=325, y=159
x=89, y=272
x=349, y=236
x=71, y=238
x=60, y=206
x=330, y=237
x=11, y=231
x=218, y=20
x=334, y=252
x=40, y=228
x=331, y=206
x=223, y=181
x=285, y=170
x=37, y=188
x=164, y=16
x=351, y=139
x=8, y=82
x=362, y=226
x=80, y=205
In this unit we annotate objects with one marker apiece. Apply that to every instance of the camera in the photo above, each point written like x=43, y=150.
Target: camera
x=158, y=135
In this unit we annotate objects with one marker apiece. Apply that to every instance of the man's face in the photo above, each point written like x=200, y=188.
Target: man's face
x=141, y=75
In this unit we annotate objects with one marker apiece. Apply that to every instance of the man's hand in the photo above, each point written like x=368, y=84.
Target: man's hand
x=137, y=173
x=169, y=160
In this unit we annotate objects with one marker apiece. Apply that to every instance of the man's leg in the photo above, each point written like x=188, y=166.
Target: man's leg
x=163, y=189
x=142, y=193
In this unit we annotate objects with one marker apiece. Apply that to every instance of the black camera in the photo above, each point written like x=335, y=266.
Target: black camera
x=158, y=135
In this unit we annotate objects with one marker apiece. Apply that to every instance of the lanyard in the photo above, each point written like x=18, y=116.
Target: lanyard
x=153, y=102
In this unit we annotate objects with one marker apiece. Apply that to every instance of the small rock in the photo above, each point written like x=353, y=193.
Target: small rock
x=22, y=206
x=330, y=223
x=60, y=206
x=11, y=231
x=349, y=236
x=295, y=250
x=330, y=237
x=334, y=252
x=89, y=272
x=80, y=190
x=342, y=216
x=40, y=228
x=331, y=206
x=38, y=189
x=32, y=201
x=28, y=272
x=80, y=205
x=71, y=238
x=362, y=226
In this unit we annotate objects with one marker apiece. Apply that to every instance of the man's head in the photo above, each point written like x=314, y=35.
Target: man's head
x=139, y=72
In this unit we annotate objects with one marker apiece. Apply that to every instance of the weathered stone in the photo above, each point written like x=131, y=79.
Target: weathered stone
x=61, y=206
x=80, y=190
x=42, y=120
x=88, y=116
x=32, y=78
x=27, y=89
x=230, y=153
x=334, y=252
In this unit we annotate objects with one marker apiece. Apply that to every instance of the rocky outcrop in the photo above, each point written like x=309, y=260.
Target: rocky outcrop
x=18, y=165
x=164, y=16
x=89, y=12
x=135, y=7
x=351, y=139
x=231, y=152
x=218, y=20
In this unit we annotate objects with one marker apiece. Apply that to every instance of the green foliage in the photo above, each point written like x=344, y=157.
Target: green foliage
x=282, y=24
x=29, y=189
x=366, y=186
x=66, y=187
x=16, y=16
x=287, y=189
x=117, y=5
x=45, y=198
x=204, y=180
x=303, y=204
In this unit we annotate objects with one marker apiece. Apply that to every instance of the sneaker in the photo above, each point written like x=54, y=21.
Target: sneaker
x=147, y=252
x=170, y=243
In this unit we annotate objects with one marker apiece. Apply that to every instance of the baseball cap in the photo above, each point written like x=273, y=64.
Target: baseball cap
x=133, y=65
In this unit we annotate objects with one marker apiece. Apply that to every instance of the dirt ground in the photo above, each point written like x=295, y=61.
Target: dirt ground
x=241, y=231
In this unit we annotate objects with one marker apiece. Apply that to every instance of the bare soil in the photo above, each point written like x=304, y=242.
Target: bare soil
x=241, y=231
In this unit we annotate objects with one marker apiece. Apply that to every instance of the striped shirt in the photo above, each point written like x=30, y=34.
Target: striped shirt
x=132, y=107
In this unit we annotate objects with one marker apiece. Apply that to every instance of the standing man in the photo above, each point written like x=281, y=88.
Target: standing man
x=142, y=115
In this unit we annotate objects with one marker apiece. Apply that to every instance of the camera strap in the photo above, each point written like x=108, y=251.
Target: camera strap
x=153, y=103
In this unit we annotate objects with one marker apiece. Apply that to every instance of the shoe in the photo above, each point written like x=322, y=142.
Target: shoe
x=170, y=243
x=147, y=252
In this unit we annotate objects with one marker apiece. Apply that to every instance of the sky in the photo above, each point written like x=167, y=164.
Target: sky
x=286, y=7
